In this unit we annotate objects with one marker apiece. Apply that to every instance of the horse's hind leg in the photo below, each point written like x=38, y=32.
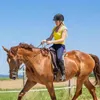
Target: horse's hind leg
x=51, y=91
x=91, y=88
x=80, y=81
x=26, y=88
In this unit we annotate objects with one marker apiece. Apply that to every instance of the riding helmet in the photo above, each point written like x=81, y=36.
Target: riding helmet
x=58, y=17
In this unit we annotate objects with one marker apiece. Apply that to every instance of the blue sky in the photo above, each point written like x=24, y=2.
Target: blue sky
x=30, y=21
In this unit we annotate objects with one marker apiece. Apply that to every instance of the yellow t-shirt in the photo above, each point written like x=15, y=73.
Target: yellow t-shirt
x=58, y=35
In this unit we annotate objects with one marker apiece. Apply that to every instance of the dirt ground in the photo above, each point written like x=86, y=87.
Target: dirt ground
x=18, y=84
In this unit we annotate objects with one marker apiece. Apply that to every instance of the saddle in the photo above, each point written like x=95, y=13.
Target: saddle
x=46, y=51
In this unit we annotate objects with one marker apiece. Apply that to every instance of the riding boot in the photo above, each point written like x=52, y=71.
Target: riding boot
x=62, y=68
x=54, y=61
x=55, y=70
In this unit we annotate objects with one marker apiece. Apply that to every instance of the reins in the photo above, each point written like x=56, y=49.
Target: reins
x=43, y=46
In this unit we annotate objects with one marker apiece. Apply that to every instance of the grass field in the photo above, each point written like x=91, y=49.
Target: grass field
x=2, y=79
x=61, y=95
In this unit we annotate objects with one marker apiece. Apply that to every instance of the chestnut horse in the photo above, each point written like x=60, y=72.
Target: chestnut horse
x=39, y=68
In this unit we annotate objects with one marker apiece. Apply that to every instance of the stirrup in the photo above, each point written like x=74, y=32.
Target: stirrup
x=63, y=78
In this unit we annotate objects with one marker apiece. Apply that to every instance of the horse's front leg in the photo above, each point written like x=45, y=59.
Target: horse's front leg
x=51, y=90
x=27, y=87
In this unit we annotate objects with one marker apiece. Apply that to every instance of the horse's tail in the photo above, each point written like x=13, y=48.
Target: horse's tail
x=96, y=68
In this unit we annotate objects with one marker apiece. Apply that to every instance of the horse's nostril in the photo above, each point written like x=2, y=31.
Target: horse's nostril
x=14, y=78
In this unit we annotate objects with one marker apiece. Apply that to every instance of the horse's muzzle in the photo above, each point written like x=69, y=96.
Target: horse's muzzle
x=14, y=75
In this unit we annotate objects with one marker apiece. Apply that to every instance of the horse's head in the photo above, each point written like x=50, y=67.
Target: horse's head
x=15, y=57
x=14, y=61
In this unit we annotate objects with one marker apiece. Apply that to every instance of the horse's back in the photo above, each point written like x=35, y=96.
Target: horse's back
x=77, y=61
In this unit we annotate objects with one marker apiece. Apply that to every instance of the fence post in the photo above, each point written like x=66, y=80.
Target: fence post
x=69, y=85
x=23, y=76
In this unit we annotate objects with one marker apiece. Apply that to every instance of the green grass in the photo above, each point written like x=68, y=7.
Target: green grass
x=61, y=95
x=2, y=79
x=8, y=96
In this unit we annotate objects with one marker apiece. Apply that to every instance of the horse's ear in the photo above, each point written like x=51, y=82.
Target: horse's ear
x=5, y=49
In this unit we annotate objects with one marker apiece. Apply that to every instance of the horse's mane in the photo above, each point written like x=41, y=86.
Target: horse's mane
x=26, y=46
x=29, y=47
x=14, y=49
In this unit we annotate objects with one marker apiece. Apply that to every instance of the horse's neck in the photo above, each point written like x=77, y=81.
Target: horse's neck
x=29, y=56
x=38, y=61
